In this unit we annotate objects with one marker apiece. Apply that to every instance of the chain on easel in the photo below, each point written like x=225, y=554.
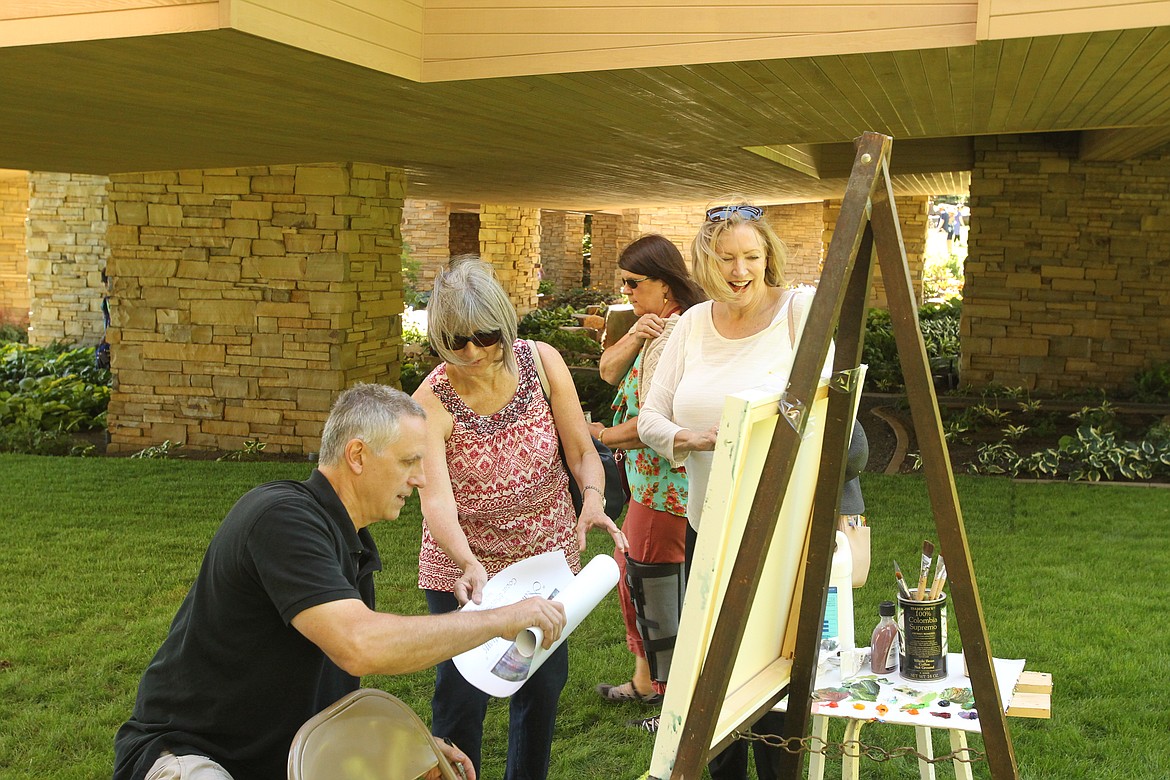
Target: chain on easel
x=854, y=748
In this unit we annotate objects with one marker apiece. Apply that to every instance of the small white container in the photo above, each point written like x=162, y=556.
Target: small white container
x=838, y=623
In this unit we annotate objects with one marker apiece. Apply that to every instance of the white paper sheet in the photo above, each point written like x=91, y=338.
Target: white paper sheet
x=501, y=666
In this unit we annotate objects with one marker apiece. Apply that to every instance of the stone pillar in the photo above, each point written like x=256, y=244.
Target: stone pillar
x=463, y=238
x=509, y=239
x=913, y=219
x=67, y=255
x=561, y=234
x=245, y=299
x=678, y=223
x=608, y=239
x=14, y=300
x=1066, y=280
x=426, y=235
x=801, y=227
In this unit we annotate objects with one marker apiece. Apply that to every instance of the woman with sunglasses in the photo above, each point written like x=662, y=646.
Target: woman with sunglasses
x=496, y=492
x=657, y=284
x=746, y=336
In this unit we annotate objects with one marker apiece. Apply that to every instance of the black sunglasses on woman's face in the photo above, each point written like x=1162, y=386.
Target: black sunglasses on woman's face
x=483, y=338
x=633, y=283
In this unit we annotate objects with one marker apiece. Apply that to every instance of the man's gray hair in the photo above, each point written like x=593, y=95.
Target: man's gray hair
x=367, y=412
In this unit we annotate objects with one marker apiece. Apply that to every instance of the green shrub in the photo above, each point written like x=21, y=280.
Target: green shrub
x=1152, y=385
x=26, y=438
x=20, y=361
x=1091, y=455
x=13, y=333
x=596, y=395
x=576, y=347
x=47, y=393
x=940, y=332
x=579, y=298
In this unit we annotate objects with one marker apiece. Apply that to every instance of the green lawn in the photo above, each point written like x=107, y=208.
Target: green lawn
x=98, y=553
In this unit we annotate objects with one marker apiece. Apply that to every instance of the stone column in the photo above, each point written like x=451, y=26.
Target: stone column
x=426, y=235
x=609, y=231
x=678, y=223
x=912, y=217
x=463, y=237
x=245, y=299
x=1066, y=282
x=561, y=234
x=67, y=255
x=801, y=228
x=509, y=239
x=14, y=300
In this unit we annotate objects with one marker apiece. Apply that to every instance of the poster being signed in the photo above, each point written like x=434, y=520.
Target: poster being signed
x=501, y=666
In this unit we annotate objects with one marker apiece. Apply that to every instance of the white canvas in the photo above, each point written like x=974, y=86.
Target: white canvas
x=764, y=661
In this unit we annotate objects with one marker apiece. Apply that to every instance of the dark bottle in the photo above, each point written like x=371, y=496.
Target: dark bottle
x=884, y=643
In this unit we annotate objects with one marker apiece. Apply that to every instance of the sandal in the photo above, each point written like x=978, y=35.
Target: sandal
x=627, y=692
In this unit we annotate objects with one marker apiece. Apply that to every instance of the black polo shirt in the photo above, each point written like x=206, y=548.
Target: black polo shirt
x=234, y=680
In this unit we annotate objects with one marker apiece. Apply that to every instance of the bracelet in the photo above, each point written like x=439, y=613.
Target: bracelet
x=595, y=489
x=601, y=435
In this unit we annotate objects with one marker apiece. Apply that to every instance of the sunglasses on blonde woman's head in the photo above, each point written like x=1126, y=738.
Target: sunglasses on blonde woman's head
x=724, y=213
x=483, y=338
x=633, y=283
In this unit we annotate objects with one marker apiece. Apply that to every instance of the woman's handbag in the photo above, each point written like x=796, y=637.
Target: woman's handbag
x=617, y=494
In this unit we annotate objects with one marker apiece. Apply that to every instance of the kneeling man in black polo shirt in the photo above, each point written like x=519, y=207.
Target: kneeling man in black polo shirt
x=280, y=622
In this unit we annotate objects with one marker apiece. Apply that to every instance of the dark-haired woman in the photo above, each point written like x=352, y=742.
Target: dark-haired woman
x=657, y=284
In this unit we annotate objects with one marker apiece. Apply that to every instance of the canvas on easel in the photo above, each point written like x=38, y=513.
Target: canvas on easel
x=729, y=674
x=760, y=670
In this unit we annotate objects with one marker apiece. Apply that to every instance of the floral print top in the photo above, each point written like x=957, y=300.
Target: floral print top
x=653, y=482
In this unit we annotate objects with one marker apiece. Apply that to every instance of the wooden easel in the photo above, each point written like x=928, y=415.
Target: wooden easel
x=868, y=222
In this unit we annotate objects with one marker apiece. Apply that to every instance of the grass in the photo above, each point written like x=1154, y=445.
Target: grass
x=98, y=553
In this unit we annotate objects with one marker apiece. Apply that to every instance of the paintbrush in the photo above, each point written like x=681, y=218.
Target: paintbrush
x=902, y=591
x=927, y=554
x=940, y=579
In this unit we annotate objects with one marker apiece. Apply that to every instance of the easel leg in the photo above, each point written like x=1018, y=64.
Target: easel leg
x=851, y=754
x=926, y=748
x=816, y=760
x=959, y=743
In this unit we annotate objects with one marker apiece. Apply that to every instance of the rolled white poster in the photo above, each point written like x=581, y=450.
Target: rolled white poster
x=500, y=666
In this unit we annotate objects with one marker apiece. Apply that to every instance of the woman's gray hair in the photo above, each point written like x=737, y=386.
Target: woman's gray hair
x=368, y=412
x=468, y=299
x=705, y=262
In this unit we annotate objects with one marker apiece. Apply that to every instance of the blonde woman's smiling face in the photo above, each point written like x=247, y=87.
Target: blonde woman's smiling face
x=743, y=261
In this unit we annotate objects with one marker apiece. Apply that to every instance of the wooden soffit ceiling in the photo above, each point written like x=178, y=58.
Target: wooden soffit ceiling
x=771, y=129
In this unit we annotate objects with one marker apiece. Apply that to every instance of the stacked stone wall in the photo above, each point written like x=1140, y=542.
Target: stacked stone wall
x=463, y=236
x=1067, y=284
x=67, y=256
x=561, y=261
x=608, y=233
x=14, y=301
x=800, y=227
x=426, y=236
x=913, y=218
x=678, y=223
x=245, y=299
x=509, y=238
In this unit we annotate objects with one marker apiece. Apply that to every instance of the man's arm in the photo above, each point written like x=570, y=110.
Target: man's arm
x=362, y=641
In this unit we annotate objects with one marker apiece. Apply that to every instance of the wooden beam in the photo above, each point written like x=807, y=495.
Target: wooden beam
x=799, y=157
x=1122, y=143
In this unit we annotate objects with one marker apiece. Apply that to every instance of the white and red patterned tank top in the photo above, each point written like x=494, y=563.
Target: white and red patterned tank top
x=510, y=487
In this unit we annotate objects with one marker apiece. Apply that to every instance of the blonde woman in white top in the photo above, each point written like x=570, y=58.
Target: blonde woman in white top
x=746, y=336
